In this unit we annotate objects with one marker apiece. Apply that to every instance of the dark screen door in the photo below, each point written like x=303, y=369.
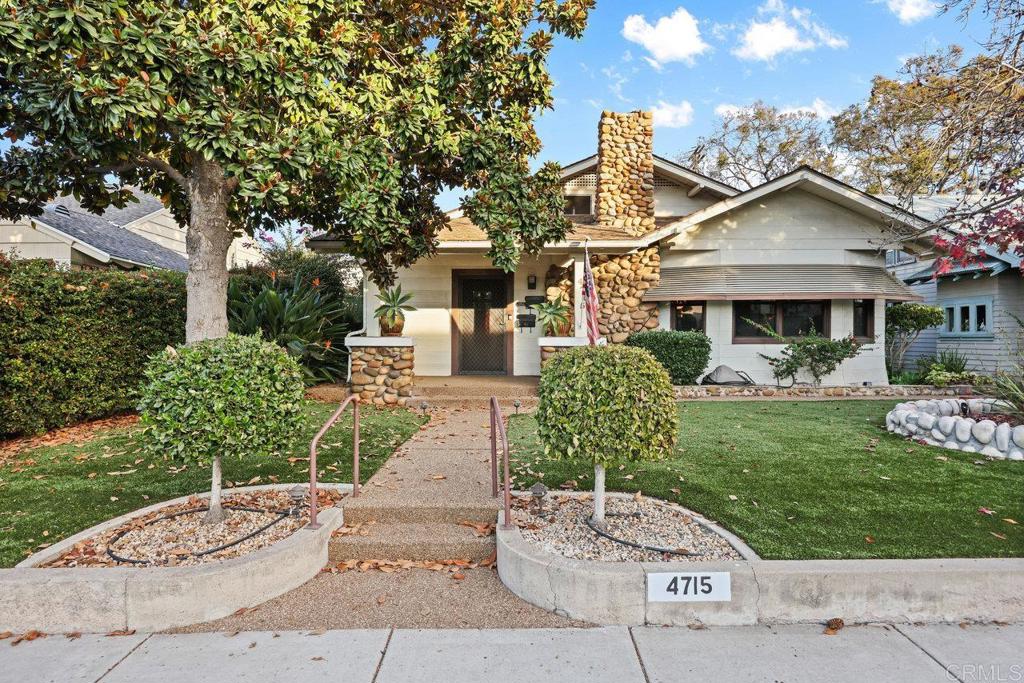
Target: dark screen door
x=481, y=328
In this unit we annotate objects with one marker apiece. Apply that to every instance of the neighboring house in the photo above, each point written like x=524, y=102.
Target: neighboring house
x=143, y=234
x=983, y=301
x=670, y=249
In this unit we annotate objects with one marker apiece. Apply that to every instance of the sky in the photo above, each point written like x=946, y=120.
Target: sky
x=686, y=60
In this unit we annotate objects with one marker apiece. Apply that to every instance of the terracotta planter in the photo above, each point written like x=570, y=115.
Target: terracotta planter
x=391, y=330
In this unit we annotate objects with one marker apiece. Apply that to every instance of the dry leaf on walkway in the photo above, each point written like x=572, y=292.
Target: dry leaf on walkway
x=5, y=635
x=833, y=626
x=480, y=529
x=125, y=632
x=29, y=636
x=437, y=477
x=458, y=576
x=74, y=635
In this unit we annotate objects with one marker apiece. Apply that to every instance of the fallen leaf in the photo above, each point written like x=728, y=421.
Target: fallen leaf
x=732, y=497
x=986, y=511
x=1001, y=537
x=869, y=539
x=74, y=635
x=5, y=635
x=458, y=576
x=1009, y=521
x=318, y=659
x=125, y=632
x=28, y=636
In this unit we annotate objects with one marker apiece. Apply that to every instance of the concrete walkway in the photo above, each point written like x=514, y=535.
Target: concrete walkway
x=794, y=654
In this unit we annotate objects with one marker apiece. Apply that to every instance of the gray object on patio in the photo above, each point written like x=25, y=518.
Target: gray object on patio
x=724, y=375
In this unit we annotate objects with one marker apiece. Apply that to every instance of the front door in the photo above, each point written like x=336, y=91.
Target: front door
x=480, y=325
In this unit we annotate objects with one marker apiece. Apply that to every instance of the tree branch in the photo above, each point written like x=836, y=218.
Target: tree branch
x=159, y=164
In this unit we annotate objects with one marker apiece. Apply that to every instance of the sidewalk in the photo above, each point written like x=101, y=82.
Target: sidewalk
x=794, y=654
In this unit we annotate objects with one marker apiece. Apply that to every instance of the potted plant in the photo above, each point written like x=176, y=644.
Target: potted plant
x=391, y=312
x=553, y=317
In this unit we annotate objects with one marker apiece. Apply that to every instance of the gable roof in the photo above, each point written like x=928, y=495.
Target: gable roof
x=104, y=237
x=665, y=167
x=805, y=178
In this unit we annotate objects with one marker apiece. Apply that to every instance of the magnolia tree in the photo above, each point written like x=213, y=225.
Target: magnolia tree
x=608, y=405
x=346, y=115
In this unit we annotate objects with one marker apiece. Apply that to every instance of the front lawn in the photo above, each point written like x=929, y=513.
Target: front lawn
x=815, y=479
x=52, y=492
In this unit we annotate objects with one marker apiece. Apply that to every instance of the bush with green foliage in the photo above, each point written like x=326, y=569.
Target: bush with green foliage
x=904, y=322
x=306, y=321
x=818, y=355
x=940, y=377
x=218, y=398
x=685, y=355
x=608, y=404
x=73, y=343
x=951, y=360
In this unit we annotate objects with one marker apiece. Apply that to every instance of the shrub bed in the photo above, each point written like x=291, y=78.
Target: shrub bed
x=685, y=355
x=73, y=344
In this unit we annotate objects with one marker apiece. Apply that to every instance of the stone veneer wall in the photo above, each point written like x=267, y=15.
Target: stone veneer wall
x=625, y=171
x=940, y=423
x=383, y=374
x=691, y=391
x=621, y=282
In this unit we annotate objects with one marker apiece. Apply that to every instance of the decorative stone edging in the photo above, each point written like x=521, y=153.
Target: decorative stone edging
x=692, y=391
x=383, y=374
x=104, y=599
x=940, y=423
x=767, y=591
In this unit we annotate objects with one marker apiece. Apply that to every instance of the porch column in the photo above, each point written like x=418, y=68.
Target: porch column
x=579, y=316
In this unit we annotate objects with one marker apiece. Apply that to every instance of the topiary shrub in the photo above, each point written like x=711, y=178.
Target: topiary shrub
x=218, y=398
x=684, y=354
x=608, y=404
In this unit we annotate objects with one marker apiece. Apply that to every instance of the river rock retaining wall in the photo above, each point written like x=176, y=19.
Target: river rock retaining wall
x=383, y=374
x=769, y=391
x=940, y=423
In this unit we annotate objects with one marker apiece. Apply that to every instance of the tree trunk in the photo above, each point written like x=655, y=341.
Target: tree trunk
x=207, y=242
x=216, y=513
x=598, y=518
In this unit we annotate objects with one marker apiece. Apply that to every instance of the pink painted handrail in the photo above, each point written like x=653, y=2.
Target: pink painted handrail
x=498, y=430
x=354, y=400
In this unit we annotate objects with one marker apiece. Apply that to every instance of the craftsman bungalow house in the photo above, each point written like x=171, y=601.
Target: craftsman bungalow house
x=670, y=249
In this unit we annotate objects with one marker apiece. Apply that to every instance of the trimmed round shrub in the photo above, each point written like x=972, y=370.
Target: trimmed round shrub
x=684, y=354
x=608, y=404
x=232, y=396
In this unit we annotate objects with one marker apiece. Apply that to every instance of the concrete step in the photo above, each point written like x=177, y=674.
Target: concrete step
x=461, y=386
x=412, y=541
x=420, y=512
x=526, y=403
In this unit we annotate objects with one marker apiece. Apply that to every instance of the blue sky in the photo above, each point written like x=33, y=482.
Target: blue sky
x=684, y=60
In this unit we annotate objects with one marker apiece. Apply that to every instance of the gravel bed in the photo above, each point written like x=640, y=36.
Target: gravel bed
x=164, y=539
x=562, y=529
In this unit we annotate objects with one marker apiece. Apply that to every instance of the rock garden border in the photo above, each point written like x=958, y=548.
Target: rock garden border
x=697, y=391
x=941, y=423
x=765, y=591
x=105, y=599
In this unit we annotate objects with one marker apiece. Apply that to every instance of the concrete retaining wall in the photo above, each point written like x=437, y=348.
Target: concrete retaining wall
x=768, y=591
x=103, y=599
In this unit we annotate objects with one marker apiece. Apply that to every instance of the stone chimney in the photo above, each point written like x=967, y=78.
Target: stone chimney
x=625, y=171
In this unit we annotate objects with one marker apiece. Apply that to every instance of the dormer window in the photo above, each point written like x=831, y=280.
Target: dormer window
x=578, y=205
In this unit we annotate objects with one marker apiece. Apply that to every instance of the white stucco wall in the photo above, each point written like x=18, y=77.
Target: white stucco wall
x=430, y=325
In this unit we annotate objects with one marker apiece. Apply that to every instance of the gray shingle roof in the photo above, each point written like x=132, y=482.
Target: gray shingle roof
x=106, y=232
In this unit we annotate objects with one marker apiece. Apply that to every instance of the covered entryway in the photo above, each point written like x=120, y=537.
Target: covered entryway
x=481, y=322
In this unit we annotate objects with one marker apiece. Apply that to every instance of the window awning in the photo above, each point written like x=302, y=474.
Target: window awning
x=728, y=283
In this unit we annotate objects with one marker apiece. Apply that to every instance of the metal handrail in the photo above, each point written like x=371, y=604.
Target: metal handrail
x=498, y=429
x=354, y=400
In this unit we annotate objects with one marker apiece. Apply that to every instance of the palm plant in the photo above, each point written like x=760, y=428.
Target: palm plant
x=553, y=316
x=391, y=312
x=309, y=325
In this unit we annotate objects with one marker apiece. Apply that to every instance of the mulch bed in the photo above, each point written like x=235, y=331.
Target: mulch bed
x=998, y=418
x=79, y=433
x=165, y=538
x=562, y=529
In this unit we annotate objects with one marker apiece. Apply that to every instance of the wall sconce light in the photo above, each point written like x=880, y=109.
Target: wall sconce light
x=531, y=282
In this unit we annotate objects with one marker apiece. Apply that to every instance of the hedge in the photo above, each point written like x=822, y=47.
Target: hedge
x=684, y=354
x=73, y=344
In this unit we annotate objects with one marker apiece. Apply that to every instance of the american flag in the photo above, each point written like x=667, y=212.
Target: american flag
x=590, y=300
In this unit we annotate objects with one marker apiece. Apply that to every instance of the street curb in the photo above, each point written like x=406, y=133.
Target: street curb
x=767, y=591
x=104, y=599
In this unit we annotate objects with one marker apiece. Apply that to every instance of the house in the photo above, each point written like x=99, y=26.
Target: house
x=983, y=303
x=670, y=249
x=143, y=234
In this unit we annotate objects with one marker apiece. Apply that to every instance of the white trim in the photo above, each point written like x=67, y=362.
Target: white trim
x=76, y=244
x=666, y=167
x=562, y=341
x=379, y=341
x=783, y=183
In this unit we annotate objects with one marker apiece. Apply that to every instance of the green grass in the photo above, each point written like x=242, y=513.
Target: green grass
x=46, y=494
x=815, y=479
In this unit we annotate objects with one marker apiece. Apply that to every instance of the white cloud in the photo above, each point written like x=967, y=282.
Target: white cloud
x=911, y=11
x=818, y=107
x=675, y=38
x=596, y=104
x=616, y=82
x=782, y=29
x=667, y=115
x=726, y=109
